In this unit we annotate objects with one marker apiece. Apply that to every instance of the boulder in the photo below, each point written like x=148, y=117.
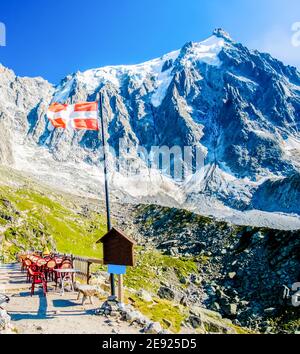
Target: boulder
x=132, y=316
x=167, y=322
x=230, y=309
x=166, y=293
x=270, y=311
x=195, y=321
x=153, y=328
x=216, y=307
x=183, y=280
x=209, y=321
x=112, y=298
x=195, y=279
x=200, y=311
x=144, y=295
x=231, y=275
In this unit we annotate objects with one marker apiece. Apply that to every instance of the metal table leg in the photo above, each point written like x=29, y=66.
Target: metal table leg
x=62, y=284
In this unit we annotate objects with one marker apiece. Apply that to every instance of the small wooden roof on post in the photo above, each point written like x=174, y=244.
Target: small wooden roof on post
x=117, y=248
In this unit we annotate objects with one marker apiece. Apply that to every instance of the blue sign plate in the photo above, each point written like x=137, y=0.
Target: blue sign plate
x=116, y=269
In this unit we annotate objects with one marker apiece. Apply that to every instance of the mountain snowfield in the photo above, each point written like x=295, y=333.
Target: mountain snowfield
x=241, y=108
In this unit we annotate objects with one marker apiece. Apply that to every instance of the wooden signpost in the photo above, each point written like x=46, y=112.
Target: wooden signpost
x=117, y=248
x=117, y=254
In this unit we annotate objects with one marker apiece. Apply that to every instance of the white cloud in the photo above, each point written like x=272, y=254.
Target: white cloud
x=279, y=43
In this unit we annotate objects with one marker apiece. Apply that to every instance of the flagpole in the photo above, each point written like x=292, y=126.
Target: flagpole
x=112, y=278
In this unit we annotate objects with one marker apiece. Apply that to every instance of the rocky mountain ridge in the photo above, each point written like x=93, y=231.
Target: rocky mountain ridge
x=238, y=107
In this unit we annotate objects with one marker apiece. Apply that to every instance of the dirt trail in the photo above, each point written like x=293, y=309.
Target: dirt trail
x=54, y=314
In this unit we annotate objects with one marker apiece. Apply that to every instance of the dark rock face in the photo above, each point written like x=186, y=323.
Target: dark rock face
x=279, y=195
x=166, y=293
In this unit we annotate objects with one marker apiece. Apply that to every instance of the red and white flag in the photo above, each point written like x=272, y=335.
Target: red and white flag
x=82, y=115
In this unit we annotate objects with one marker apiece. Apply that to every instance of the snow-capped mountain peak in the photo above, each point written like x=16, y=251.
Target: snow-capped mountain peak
x=220, y=33
x=158, y=70
x=240, y=108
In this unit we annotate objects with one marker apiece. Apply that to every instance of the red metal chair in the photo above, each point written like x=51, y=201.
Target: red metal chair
x=27, y=265
x=67, y=261
x=40, y=262
x=22, y=260
x=58, y=260
x=66, y=265
x=37, y=279
x=49, y=269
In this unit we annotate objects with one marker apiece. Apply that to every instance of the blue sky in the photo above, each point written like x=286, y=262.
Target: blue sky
x=52, y=38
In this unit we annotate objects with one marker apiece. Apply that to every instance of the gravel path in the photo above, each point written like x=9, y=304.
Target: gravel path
x=54, y=314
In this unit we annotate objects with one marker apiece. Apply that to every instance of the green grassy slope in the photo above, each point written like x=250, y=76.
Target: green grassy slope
x=35, y=218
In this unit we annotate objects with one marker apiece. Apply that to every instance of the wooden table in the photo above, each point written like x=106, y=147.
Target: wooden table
x=66, y=277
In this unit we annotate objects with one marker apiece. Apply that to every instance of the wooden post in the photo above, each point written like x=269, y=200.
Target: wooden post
x=88, y=273
x=120, y=288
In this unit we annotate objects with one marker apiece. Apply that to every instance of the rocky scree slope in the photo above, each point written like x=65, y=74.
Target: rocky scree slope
x=243, y=271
